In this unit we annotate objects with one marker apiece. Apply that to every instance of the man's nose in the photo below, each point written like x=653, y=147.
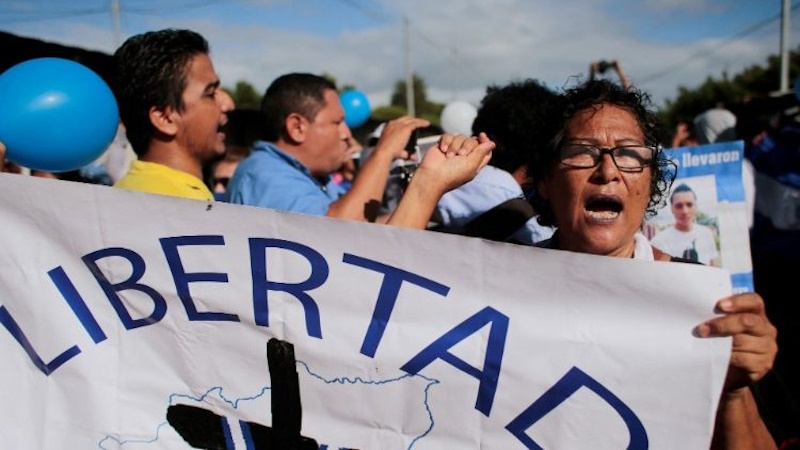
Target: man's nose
x=344, y=131
x=225, y=101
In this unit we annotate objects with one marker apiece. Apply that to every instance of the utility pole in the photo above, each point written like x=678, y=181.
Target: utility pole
x=115, y=19
x=409, y=73
x=455, y=69
x=785, y=46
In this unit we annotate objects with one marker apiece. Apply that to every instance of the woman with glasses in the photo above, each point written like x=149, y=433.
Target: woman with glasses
x=600, y=174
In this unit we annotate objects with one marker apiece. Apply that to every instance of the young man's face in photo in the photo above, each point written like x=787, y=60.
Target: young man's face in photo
x=684, y=208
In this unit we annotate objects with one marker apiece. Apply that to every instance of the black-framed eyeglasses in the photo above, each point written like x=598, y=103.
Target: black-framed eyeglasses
x=628, y=158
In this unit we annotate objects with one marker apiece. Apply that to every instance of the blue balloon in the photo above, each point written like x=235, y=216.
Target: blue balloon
x=55, y=115
x=356, y=107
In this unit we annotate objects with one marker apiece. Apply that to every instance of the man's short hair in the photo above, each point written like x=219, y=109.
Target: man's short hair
x=151, y=71
x=512, y=116
x=300, y=93
x=683, y=187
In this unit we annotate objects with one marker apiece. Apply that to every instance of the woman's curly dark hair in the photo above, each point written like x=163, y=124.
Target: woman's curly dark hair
x=594, y=93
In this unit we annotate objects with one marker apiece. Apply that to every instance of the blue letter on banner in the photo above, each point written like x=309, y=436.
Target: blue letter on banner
x=182, y=279
x=492, y=361
x=562, y=390
x=138, y=266
x=75, y=301
x=11, y=325
x=392, y=280
x=261, y=285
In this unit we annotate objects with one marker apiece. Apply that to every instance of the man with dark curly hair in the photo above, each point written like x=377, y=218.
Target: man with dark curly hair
x=511, y=116
x=173, y=109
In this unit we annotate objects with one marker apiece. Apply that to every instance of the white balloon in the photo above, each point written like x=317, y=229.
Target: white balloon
x=457, y=117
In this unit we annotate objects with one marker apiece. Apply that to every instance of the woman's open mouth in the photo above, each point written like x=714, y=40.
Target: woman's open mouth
x=603, y=208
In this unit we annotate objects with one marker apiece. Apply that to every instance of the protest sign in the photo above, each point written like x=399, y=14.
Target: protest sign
x=137, y=321
x=712, y=197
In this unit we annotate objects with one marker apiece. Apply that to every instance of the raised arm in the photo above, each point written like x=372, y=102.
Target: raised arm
x=453, y=162
x=623, y=77
x=600, y=67
x=370, y=181
x=682, y=132
x=739, y=424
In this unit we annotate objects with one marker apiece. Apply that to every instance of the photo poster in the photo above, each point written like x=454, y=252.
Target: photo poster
x=713, y=173
x=132, y=321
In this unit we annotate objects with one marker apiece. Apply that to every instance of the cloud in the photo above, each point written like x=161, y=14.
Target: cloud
x=684, y=5
x=458, y=47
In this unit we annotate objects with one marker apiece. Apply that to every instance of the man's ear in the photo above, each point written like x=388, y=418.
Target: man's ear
x=296, y=127
x=541, y=189
x=521, y=174
x=164, y=120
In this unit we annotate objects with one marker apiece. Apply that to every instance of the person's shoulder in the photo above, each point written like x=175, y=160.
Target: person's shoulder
x=551, y=242
x=663, y=234
x=260, y=151
x=262, y=163
x=499, y=180
x=164, y=180
x=705, y=229
x=660, y=255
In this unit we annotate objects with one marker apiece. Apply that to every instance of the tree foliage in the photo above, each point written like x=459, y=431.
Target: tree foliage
x=332, y=79
x=422, y=106
x=753, y=82
x=245, y=95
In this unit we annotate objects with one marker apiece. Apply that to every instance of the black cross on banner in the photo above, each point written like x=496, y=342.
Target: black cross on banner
x=204, y=429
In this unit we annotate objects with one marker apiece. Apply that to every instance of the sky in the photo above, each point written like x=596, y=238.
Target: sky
x=458, y=47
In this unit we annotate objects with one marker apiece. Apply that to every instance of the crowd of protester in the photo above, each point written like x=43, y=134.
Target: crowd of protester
x=534, y=155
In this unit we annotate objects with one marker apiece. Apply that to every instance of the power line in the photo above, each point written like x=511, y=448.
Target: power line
x=449, y=52
x=162, y=8
x=380, y=17
x=367, y=11
x=35, y=17
x=452, y=54
x=68, y=13
x=705, y=52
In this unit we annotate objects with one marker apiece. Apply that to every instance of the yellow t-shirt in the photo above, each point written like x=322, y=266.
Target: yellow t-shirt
x=159, y=179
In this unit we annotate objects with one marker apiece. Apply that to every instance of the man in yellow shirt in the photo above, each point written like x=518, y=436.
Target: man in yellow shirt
x=173, y=109
x=158, y=178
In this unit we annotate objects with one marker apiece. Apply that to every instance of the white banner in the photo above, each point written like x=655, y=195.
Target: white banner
x=138, y=321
